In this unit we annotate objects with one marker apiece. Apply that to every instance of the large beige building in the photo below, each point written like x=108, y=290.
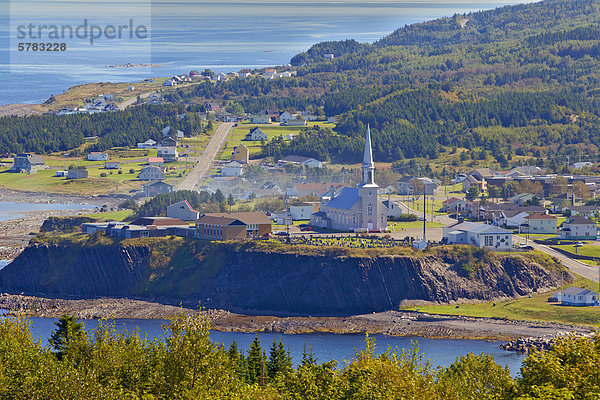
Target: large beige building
x=355, y=209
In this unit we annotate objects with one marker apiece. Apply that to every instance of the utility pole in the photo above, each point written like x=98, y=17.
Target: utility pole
x=424, y=214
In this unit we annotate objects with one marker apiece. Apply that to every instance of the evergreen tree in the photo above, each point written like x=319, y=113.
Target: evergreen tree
x=279, y=360
x=255, y=362
x=68, y=331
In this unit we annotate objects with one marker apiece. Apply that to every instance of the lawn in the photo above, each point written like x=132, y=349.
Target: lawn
x=111, y=215
x=585, y=250
x=399, y=226
x=535, y=308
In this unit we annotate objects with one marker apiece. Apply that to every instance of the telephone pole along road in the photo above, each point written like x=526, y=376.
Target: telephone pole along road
x=205, y=160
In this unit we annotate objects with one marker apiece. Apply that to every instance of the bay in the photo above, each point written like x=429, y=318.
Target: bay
x=224, y=36
x=11, y=210
x=326, y=347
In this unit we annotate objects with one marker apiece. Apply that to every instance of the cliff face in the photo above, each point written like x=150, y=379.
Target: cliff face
x=231, y=277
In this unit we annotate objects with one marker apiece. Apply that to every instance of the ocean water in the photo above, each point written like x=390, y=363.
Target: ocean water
x=10, y=210
x=186, y=34
x=326, y=347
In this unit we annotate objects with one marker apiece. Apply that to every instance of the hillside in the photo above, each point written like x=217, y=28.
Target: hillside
x=268, y=278
x=516, y=82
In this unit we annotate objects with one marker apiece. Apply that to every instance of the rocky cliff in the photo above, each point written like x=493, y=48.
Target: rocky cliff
x=253, y=278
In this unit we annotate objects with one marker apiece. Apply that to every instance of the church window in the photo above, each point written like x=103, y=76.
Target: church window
x=370, y=210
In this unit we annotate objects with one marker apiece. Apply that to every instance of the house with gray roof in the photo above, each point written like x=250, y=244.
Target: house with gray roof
x=575, y=296
x=478, y=234
x=27, y=163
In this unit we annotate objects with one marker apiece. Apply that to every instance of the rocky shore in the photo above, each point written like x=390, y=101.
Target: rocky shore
x=545, y=342
x=393, y=323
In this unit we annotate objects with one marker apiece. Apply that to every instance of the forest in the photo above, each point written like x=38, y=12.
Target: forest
x=184, y=363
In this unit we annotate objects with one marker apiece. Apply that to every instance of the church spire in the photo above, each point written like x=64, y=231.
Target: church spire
x=368, y=167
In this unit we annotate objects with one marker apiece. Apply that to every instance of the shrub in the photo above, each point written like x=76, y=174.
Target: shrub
x=103, y=175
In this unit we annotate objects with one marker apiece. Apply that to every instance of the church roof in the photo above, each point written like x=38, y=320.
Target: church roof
x=368, y=155
x=345, y=200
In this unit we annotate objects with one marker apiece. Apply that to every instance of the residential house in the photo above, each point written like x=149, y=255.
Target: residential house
x=584, y=211
x=302, y=211
x=390, y=189
x=152, y=173
x=182, y=211
x=409, y=185
x=471, y=181
x=301, y=160
x=478, y=234
x=27, y=163
x=168, y=142
x=155, y=188
x=583, y=164
x=97, y=156
x=156, y=161
x=315, y=189
x=256, y=134
x=112, y=165
x=260, y=119
x=169, y=82
x=393, y=208
x=148, y=144
x=284, y=117
x=233, y=168
x=524, y=170
x=232, y=226
x=241, y=154
x=541, y=223
x=578, y=228
x=521, y=199
x=211, y=107
x=579, y=297
x=331, y=120
x=565, y=200
x=168, y=154
x=77, y=173
x=295, y=122
x=453, y=204
x=481, y=173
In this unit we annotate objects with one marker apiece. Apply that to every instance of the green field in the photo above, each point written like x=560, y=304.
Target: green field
x=585, y=250
x=535, y=308
x=399, y=226
x=111, y=215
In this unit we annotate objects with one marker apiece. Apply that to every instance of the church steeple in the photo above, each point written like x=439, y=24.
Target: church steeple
x=368, y=167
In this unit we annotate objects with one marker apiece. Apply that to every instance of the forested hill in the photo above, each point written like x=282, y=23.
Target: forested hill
x=519, y=80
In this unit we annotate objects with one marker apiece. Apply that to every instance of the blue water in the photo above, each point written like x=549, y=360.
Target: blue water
x=184, y=35
x=326, y=347
x=10, y=210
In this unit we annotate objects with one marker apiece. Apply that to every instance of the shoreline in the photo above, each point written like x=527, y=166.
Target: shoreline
x=391, y=323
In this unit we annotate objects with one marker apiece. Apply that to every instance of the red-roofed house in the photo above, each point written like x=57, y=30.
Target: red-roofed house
x=158, y=161
x=541, y=223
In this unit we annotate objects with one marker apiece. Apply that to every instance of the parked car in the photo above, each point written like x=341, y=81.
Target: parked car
x=305, y=228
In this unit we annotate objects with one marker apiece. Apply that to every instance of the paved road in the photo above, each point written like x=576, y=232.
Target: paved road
x=129, y=102
x=205, y=161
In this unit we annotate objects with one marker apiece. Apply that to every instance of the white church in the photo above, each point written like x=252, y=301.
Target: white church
x=355, y=209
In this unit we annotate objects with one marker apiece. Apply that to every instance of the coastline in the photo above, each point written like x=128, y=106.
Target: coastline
x=392, y=323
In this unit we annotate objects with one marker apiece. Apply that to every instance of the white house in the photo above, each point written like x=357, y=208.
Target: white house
x=541, y=223
x=256, y=134
x=393, y=208
x=285, y=117
x=168, y=154
x=183, y=211
x=233, y=168
x=148, y=144
x=152, y=173
x=512, y=218
x=575, y=296
x=260, y=119
x=480, y=235
x=295, y=122
x=578, y=228
x=301, y=160
x=301, y=211
x=583, y=164
x=97, y=156
x=112, y=165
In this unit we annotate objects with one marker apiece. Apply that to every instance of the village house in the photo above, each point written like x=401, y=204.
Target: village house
x=112, y=165
x=481, y=173
x=233, y=168
x=521, y=199
x=182, y=211
x=453, y=204
x=314, y=189
x=471, y=181
x=152, y=173
x=168, y=154
x=97, y=156
x=241, y=154
x=478, y=234
x=582, y=164
x=148, y=144
x=168, y=142
x=284, y=117
x=232, y=226
x=302, y=211
x=211, y=107
x=295, y=122
x=301, y=160
x=409, y=185
x=578, y=228
x=584, y=211
x=579, y=297
x=156, y=161
x=27, y=163
x=260, y=119
x=155, y=188
x=256, y=134
x=77, y=173
x=393, y=208
x=541, y=223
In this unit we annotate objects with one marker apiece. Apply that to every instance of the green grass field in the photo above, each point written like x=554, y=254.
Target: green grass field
x=535, y=308
x=111, y=215
x=585, y=250
x=398, y=226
